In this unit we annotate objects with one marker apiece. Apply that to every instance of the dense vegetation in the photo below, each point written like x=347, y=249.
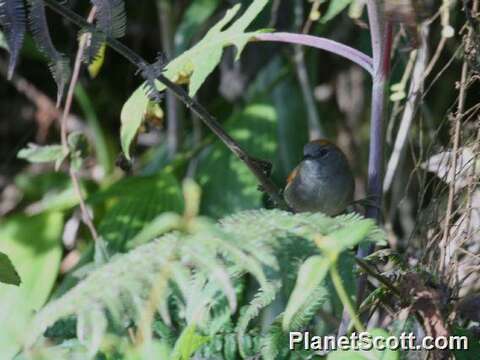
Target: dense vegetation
x=140, y=189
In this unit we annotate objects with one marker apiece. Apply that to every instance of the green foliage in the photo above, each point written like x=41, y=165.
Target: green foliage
x=3, y=42
x=310, y=275
x=193, y=66
x=187, y=344
x=40, y=154
x=33, y=245
x=8, y=274
x=202, y=261
x=133, y=203
x=473, y=345
x=366, y=354
x=255, y=129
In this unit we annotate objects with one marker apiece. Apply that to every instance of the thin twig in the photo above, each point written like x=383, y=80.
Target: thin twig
x=410, y=110
x=256, y=166
x=453, y=168
x=64, y=132
x=312, y=16
x=436, y=56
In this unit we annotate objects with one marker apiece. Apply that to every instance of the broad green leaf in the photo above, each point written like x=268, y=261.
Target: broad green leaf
x=136, y=201
x=33, y=244
x=362, y=354
x=335, y=7
x=193, y=66
x=188, y=342
x=310, y=275
x=8, y=274
x=39, y=154
x=228, y=185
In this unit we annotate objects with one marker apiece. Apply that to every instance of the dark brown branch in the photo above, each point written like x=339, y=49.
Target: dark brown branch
x=253, y=164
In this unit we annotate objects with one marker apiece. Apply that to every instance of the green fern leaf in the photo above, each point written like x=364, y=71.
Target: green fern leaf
x=310, y=275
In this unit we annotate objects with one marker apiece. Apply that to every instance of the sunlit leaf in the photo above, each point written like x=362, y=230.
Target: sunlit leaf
x=40, y=154
x=188, y=342
x=34, y=246
x=346, y=237
x=193, y=66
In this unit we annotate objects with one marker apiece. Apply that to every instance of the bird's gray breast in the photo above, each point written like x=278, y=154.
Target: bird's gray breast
x=325, y=186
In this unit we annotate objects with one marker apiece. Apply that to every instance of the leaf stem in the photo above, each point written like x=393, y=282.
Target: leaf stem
x=321, y=43
x=344, y=298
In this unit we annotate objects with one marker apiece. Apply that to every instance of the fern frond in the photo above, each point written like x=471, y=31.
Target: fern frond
x=111, y=17
x=204, y=266
x=12, y=20
x=111, y=21
x=96, y=39
x=273, y=341
x=57, y=62
x=121, y=287
x=262, y=299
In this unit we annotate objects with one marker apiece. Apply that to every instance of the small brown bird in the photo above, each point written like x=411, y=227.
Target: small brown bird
x=322, y=182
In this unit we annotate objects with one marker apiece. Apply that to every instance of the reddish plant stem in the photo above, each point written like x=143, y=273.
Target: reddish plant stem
x=64, y=132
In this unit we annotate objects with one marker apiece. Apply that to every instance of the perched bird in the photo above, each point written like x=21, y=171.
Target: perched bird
x=322, y=182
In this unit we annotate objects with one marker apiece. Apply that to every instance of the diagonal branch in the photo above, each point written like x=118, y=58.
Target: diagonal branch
x=256, y=166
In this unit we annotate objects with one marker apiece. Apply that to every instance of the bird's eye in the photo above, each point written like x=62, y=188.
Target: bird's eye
x=322, y=152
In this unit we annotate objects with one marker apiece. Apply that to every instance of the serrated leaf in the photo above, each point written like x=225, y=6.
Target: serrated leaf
x=351, y=235
x=40, y=154
x=8, y=274
x=193, y=66
x=12, y=20
x=111, y=17
x=58, y=63
x=310, y=275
